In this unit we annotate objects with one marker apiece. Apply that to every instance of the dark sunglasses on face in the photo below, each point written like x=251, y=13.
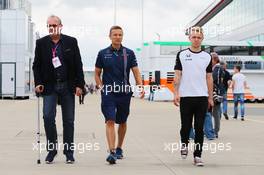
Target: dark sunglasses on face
x=52, y=25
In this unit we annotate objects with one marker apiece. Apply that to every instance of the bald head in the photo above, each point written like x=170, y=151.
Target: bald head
x=56, y=18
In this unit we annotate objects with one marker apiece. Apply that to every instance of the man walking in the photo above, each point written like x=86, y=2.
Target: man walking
x=218, y=78
x=58, y=74
x=116, y=61
x=152, y=85
x=238, y=85
x=227, y=83
x=193, y=91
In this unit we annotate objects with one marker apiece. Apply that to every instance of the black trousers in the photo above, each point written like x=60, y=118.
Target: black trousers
x=193, y=107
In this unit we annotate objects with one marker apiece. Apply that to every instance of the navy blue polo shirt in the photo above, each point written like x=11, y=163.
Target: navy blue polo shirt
x=112, y=63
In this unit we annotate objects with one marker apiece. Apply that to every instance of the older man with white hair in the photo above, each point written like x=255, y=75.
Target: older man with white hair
x=58, y=75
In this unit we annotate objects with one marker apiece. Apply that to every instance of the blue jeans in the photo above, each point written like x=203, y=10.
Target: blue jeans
x=151, y=96
x=224, y=107
x=67, y=101
x=208, y=127
x=192, y=134
x=217, y=117
x=239, y=98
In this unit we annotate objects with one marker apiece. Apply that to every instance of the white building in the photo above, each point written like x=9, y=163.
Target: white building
x=232, y=20
x=16, y=48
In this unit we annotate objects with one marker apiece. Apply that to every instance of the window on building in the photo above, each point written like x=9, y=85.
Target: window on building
x=222, y=50
x=252, y=65
x=254, y=51
x=231, y=64
x=240, y=50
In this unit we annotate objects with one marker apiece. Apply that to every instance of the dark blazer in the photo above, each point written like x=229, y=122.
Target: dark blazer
x=43, y=68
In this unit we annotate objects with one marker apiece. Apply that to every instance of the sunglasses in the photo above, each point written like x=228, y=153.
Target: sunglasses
x=52, y=25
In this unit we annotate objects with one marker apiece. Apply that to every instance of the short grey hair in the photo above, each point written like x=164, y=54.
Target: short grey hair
x=54, y=16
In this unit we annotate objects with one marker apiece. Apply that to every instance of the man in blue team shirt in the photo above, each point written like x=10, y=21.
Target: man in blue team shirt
x=116, y=61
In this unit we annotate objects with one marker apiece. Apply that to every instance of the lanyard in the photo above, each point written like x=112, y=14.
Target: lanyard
x=54, y=51
x=125, y=66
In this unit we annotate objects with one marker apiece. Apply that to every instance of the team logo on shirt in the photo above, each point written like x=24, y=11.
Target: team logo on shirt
x=188, y=57
x=107, y=56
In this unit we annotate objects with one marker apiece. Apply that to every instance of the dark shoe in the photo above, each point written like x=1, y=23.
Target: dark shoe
x=119, y=153
x=69, y=158
x=184, y=152
x=211, y=138
x=242, y=118
x=50, y=157
x=235, y=118
x=111, y=158
x=226, y=116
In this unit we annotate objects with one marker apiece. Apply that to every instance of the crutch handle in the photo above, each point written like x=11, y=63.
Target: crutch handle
x=38, y=94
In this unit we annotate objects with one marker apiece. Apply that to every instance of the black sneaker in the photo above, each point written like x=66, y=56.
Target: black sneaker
x=119, y=153
x=69, y=158
x=226, y=116
x=242, y=118
x=111, y=159
x=50, y=157
x=235, y=118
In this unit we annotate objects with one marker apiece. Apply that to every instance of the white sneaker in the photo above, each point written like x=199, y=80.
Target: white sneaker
x=198, y=161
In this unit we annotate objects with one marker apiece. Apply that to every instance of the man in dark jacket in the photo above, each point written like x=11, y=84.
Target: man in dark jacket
x=227, y=83
x=58, y=74
x=218, y=78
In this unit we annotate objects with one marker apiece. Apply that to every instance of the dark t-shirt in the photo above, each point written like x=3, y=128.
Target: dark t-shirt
x=227, y=77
